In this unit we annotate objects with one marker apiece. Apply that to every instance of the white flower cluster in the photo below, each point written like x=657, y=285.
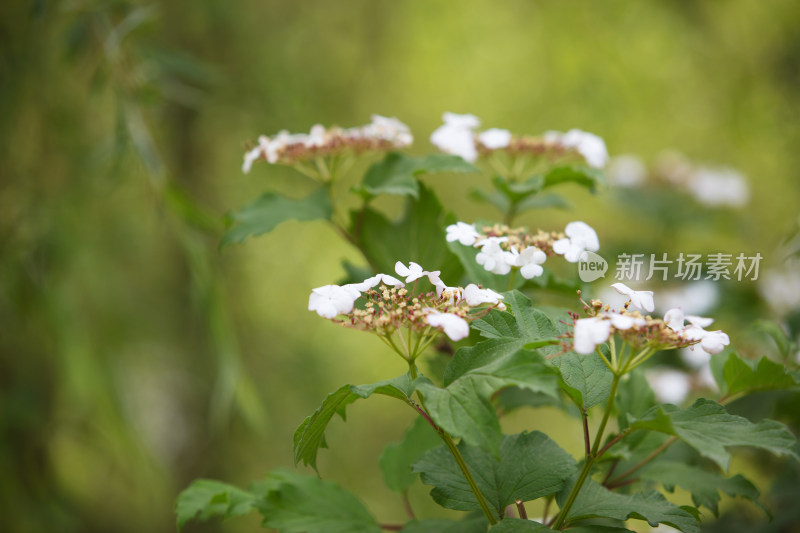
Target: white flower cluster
x=382, y=133
x=589, y=145
x=458, y=136
x=671, y=332
x=500, y=253
x=392, y=307
x=710, y=186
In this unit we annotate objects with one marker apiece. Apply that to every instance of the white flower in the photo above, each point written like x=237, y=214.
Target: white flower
x=624, y=322
x=461, y=121
x=781, y=289
x=580, y=237
x=718, y=187
x=413, y=272
x=451, y=294
x=388, y=129
x=627, y=171
x=456, y=136
x=332, y=300
x=589, y=145
x=642, y=300
x=476, y=296
x=695, y=357
x=463, y=233
x=589, y=332
x=715, y=341
x=317, y=136
x=250, y=158
x=495, y=138
x=453, y=326
x=377, y=279
x=670, y=386
x=493, y=258
x=675, y=318
x=530, y=261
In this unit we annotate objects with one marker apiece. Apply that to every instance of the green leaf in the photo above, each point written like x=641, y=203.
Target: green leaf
x=397, y=457
x=507, y=334
x=396, y=174
x=529, y=466
x=515, y=525
x=704, y=485
x=743, y=376
x=595, y=501
x=634, y=397
x=708, y=428
x=544, y=201
x=270, y=209
x=206, y=498
x=419, y=236
x=310, y=436
x=786, y=347
x=471, y=524
x=498, y=200
x=463, y=408
x=582, y=175
x=585, y=378
x=306, y=504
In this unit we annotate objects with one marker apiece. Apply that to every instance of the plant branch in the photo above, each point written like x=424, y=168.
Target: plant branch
x=586, y=438
x=617, y=481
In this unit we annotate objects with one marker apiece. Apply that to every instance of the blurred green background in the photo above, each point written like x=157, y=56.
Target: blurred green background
x=136, y=356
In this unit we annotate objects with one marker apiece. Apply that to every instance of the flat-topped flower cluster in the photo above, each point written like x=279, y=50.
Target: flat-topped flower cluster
x=459, y=136
x=643, y=331
x=389, y=306
x=381, y=135
x=503, y=248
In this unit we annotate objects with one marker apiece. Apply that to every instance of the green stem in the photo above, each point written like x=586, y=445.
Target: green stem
x=589, y=462
x=448, y=441
x=468, y=476
x=573, y=495
x=599, y=436
x=511, y=278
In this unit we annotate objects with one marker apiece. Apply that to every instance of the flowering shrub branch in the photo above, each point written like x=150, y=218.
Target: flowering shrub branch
x=505, y=344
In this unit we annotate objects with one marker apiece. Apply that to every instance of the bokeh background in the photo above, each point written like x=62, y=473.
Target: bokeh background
x=136, y=356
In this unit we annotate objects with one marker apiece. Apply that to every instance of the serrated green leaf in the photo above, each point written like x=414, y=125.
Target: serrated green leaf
x=785, y=344
x=595, y=501
x=397, y=457
x=471, y=524
x=704, y=485
x=585, y=378
x=544, y=201
x=206, y=498
x=309, y=437
x=307, y=504
x=507, y=333
x=634, y=397
x=396, y=173
x=418, y=236
x=529, y=466
x=708, y=428
x=582, y=175
x=746, y=377
x=463, y=408
x=515, y=525
x=270, y=209
x=499, y=200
